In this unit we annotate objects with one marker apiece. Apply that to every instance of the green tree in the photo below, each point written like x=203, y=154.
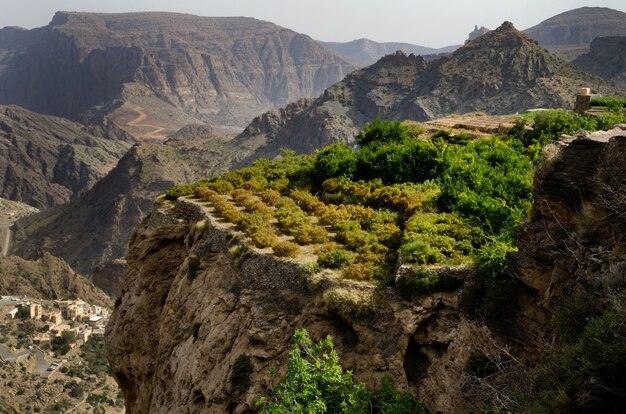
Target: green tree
x=382, y=131
x=315, y=382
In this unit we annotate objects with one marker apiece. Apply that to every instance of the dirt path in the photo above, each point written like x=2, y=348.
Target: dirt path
x=138, y=122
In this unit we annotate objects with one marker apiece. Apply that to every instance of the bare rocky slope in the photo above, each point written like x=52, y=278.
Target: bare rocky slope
x=244, y=301
x=607, y=59
x=569, y=34
x=501, y=72
x=94, y=229
x=155, y=72
x=45, y=160
x=47, y=278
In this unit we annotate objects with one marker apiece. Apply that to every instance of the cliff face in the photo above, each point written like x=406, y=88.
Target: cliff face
x=569, y=34
x=243, y=301
x=607, y=59
x=501, y=72
x=45, y=160
x=574, y=241
x=170, y=68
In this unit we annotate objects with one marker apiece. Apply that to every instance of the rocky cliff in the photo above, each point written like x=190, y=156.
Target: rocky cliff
x=152, y=73
x=94, y=229
x=45, y=160
x=569, y=34
x=244, y=301
x=240, y=300
x=501, y=72
x=607, y=59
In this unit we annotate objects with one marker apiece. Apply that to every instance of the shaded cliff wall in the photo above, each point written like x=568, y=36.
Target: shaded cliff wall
x=244, y=301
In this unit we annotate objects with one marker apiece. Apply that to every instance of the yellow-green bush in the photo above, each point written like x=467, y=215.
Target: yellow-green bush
x=362, y=271
x=240, y=195
x=263, y=238
x=270, y=196
x=309, y=234
x=221, y=186
x=286, y=249
x=336, y=259
x=257, y=206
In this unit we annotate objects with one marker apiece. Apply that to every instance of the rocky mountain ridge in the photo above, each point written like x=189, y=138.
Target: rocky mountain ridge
x=606, y=58
x=501, y=72
x=570, y=34
x=146, y=71
x=45, y=160
x=364, y=52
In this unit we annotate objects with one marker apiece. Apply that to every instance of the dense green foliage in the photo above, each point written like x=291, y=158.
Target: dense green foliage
x=593, y=350
x=428, y=201
x=610, y=102
x=316, y=383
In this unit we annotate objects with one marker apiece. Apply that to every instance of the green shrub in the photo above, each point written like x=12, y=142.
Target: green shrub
x=240, y=195
x=315, y=382
x=286, y=249
x=270, y=196
x=336, y=160
x=336, y=259
x=421, y=252
x=427, y=282
x=378, y=131
x=310, y=268
x=492, y=257
x=179, y=191
x=364, y=271
x=240, y=374
x=309, y=234
x=220, y=186
x=263, y=238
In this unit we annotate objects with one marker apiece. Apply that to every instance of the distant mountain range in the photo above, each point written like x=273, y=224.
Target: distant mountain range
x=607, y=59
x=152, y=73
x=364, y=52
x=504, y=71
x=570, y=34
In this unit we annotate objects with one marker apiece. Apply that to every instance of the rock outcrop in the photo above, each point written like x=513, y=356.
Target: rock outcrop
x=243, y=301
x=168, y=69
x=569, y=34
x=607, y=59
x=501, y=72
x=45, y=161
x=575, y=239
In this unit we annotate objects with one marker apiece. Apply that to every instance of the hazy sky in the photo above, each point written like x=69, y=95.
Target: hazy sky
x=434, y=23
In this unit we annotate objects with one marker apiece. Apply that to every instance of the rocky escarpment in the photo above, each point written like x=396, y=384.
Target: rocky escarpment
x=45, y=160
x=243, y=301
x=94, y=229
x=575, y=239
x=569, y=34
x=607, y=59
x=173, y=68
x=501, y=72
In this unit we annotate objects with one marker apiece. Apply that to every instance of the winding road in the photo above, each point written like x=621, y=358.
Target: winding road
x=138, y=122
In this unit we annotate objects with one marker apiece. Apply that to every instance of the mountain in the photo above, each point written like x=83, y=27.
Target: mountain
x=47, y=278
x=501, y=72
x=152, y=73
x=364, y=52
x=46, y=160
x=607, y=59
x=569, y=34
x=91, y=231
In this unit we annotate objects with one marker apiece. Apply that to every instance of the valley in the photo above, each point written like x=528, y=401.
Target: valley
x=212, y=214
